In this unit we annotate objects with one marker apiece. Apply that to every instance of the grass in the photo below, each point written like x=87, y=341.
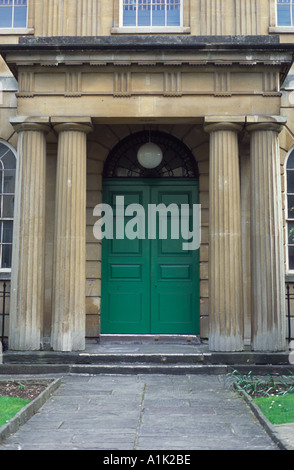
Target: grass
x=9, y=407
x=277, y=409
x=273, y=395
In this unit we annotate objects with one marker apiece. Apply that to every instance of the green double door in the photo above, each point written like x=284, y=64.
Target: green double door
x=149, y=285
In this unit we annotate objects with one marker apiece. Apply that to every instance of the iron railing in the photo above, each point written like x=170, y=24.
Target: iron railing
x=4, y=295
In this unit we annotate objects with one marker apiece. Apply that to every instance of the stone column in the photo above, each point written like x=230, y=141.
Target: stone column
x=69, y=265
x=27, y=282
x=267, y=265
x=225, y=262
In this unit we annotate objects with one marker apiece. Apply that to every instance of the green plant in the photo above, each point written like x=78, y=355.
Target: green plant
x=21, y=386
x=263, y=386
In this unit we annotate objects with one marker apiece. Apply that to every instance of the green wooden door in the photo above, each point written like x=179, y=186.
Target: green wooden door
x=150, y=285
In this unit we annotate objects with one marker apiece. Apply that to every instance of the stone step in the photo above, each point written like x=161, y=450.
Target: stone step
x=50, y=357
x=139, y=368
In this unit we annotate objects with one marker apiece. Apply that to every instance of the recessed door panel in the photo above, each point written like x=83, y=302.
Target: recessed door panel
x=174, y=309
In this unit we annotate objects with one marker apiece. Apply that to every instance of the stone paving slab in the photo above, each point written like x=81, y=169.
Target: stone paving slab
x=286, y=431
x=142, y=412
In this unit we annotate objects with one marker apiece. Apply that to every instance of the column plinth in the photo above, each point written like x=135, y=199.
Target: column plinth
x=267, y=257
x=225, y=262
x=69, y=267
x=28, y=256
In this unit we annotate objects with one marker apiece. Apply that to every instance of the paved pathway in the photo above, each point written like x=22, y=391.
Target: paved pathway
x=142, y=412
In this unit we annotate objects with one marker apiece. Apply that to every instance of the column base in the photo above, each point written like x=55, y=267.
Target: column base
x=219, y=343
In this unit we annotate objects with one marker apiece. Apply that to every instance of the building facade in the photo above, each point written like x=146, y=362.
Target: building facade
x=84, y=85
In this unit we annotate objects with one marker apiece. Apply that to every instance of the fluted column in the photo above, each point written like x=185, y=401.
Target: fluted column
x=28, y=258
x=225, y=273
x=267, y=265
x=69, y=276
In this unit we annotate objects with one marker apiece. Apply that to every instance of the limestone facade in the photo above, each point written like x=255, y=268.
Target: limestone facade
x=75, y=83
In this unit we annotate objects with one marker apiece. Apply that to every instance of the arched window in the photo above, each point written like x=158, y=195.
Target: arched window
x=290, y=210
x=7, y=189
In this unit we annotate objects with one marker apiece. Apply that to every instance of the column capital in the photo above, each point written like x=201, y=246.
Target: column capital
x=265, y=123
x=223, y=123
x=223, y=126
x=78, y=124
x=37, y=124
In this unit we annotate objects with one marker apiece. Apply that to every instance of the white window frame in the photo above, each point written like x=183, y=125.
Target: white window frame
x=291, y=16
x=151, y=29
x=10, y=29
x=12, y=149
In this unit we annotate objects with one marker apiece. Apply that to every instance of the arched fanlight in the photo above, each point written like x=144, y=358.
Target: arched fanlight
x=176, y=161
x=149, y=156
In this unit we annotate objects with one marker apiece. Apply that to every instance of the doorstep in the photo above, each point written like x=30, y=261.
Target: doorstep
x=152, y=354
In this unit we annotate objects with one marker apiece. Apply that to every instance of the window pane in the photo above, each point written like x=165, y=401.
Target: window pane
x=291, y=207
x=9, y=182
x=6, y=256
x=20, y=17
x=290, y=181
x=129, y=18
x=7, y=234
x=284, y=12
x=290, y=161
x=3, y=149
x=291, y=233
x=144, y=13
x=173, y=13
x=9, y=160
x=129, y=12
x=8, y=204
x=291, y=257
x=5, y=17
x=284, y=17
x=7, y=231
x=158, y=13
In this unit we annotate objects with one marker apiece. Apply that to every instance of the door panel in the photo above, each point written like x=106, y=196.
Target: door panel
x=125, y=272
x=174, y=272
x=150, y=285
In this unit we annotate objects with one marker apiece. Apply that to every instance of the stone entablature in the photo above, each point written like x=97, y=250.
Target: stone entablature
x=148, y=80
x=152, y=74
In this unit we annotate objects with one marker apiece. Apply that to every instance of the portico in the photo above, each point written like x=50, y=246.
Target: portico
x=215, y=99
